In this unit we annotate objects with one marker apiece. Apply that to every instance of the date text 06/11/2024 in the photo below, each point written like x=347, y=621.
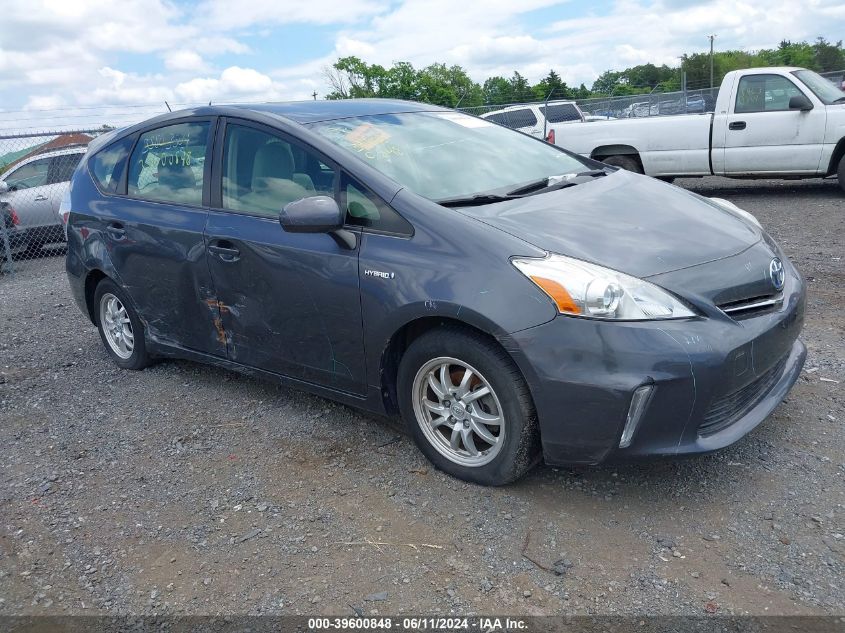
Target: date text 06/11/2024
x=484, y=624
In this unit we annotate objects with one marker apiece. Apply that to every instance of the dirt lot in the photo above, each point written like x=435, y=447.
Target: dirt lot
x=188, y=489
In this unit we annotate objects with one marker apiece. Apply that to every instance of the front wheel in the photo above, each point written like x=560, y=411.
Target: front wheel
x=468, y=407
x=120, y=328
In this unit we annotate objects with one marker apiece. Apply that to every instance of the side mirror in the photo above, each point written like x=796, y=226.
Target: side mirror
x=800, y=102
x=318, y=214
x=4, y=187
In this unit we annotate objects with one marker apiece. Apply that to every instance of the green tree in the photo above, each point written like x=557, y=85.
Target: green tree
x=520, y=88
x=551, y=87
x=496, y=91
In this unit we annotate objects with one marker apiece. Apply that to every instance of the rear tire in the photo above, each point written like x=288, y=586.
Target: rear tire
x=448, y=418
x=628, y=163
x=120, y=327
x=840, y=173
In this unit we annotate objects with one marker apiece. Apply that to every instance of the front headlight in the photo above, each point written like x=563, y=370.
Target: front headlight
x=583, y=289
x=729, y=206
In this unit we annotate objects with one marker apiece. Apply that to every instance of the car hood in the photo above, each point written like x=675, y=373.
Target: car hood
x=628, y=222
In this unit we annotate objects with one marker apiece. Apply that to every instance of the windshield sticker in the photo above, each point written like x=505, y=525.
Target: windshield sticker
x=463, y=119
x=367, y=137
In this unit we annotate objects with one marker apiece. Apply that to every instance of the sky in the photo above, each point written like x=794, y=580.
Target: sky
x=84, y=58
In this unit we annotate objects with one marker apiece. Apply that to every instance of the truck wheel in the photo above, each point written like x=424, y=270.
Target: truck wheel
x=840, y=173
x=628, y=163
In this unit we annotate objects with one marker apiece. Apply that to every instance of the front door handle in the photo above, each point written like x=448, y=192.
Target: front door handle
x=736, y=125
x=225, y=251
x=40, y=198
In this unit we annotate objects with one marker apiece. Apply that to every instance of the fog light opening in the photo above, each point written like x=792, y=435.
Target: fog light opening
x=639, y=401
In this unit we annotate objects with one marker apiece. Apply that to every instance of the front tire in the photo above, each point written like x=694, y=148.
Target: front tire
x=120, y=328
x=468, y=407
x=840, y=173
x=628, y=163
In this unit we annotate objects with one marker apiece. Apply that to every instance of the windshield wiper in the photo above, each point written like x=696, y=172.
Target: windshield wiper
x=556, y=182
x=840, y=99
x=471, y=201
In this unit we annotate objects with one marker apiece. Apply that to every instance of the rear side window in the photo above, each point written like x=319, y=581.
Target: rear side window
x=515, y=118
x=61, y=167
x=167, y=164
x=560, y=113
x=107, y=165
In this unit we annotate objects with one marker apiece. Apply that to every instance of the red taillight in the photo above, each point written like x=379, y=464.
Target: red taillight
x=550, y=137
x=15, y=219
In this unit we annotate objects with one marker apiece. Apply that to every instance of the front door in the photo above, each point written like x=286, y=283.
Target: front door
x=763, y=135
x=289, y=302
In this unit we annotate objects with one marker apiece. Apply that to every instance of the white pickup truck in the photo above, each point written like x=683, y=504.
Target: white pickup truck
x=768, y=123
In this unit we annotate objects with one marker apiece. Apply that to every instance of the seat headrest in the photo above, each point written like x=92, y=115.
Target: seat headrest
x=273, y=160
x=176, y=175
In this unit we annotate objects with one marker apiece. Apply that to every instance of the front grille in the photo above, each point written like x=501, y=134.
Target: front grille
x=751, y=306
x=728, y=409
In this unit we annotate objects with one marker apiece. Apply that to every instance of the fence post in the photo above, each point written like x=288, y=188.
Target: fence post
x=6, y=246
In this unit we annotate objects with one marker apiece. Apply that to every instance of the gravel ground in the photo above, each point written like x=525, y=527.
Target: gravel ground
x=189, y=489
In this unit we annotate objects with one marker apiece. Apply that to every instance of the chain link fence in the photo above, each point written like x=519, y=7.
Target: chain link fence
x=523, y=114
x=35, y=172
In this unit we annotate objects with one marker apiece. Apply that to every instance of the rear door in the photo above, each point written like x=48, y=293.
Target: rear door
x=289, y=302
x=154, y=228
x=763, y=135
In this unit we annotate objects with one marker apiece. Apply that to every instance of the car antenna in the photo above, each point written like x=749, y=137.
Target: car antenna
x=168, y=106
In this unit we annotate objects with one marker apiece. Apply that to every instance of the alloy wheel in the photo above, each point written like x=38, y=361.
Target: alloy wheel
x=458, y=412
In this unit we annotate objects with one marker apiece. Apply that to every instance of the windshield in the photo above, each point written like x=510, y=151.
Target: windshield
x=447, y=154
x=823, y=88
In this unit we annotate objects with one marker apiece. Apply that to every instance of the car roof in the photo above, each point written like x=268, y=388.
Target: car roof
x=313, y=111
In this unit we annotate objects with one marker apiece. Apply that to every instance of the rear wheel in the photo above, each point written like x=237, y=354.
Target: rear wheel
x=840, y=173
x=468, y=407
x=628, y=163
x=120, y=328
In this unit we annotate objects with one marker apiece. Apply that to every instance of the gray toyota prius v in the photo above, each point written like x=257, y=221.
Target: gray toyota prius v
x=510, y=300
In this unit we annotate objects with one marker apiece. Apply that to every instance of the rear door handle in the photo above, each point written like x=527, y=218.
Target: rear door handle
x=736, y=125
x=225, y=250
x=40, y=198
x=116, y=230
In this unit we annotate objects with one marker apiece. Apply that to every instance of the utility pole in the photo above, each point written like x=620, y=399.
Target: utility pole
x=712, y=37
x=314, y=94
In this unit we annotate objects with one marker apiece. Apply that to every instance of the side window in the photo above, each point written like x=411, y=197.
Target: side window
x=167, y=163
x=263, y=172
x=107, y=165
x=32, y=174
x=515, y=118
x=61, y=167
x=764, y=93
x=364, y=208
x=560, y=113
x=521, y=118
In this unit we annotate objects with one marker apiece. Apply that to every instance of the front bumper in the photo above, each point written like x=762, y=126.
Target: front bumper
x=582, y=374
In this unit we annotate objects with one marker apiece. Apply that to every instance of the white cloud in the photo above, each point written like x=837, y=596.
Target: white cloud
x=234, y=84
x=184, y=60
x=71, y=53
